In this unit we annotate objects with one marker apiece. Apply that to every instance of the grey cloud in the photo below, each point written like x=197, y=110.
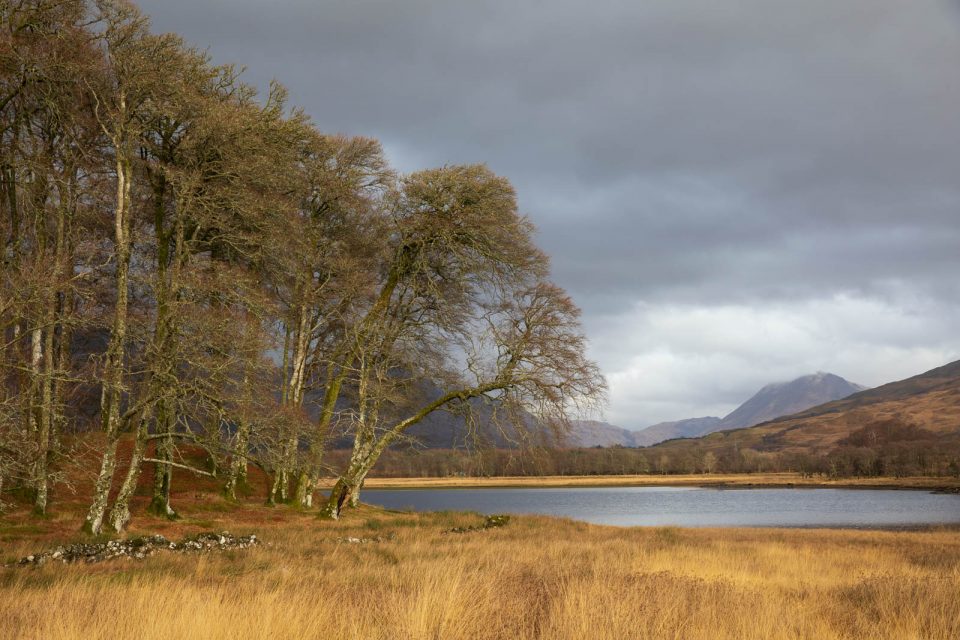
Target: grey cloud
x=671, y=152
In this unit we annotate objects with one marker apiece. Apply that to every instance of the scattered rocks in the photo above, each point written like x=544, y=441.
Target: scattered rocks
x=350, y=540
x=140, y=548
x=491, y=522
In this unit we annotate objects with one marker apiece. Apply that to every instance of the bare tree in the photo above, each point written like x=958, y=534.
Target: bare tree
x=463, y=266
x=46, y=149
x=133, y=74
x=218, y=164
x=330, y=279
x=218, y=271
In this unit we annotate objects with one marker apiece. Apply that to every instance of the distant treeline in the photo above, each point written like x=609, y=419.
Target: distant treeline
x=899, y=459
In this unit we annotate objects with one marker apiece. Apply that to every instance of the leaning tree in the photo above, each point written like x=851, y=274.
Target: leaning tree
x=464, y=305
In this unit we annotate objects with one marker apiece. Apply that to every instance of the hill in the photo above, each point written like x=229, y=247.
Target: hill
x=594, y=433
x=923, y=409
x=689, y=428
x=772, y=401
x=785, y=398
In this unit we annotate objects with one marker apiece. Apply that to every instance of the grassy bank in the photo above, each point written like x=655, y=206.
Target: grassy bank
x=698, y=480
x=537, y=577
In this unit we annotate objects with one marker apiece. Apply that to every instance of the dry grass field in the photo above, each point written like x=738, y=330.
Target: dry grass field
x=536, y=577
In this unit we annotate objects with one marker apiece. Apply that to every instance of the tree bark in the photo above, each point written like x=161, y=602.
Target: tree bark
x=366, y=453
x=274, y=492
x=238, y=463
x=112, y=384
x=163, y=474
x=120, y=513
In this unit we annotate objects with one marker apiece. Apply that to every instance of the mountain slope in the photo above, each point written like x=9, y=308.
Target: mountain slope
x=786, y=398
x=689, y=428
x=593, y=433
x=941, y=379
x=927, y=405
x=772, y=401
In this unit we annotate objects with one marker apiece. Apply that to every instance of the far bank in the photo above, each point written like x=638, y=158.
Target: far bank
x=758, y=480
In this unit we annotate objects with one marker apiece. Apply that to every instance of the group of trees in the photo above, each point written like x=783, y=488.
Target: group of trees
x=186, y=262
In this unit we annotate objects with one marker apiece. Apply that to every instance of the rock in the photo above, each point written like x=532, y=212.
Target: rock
x=350, y=540
x=140, y=548
x=490, y=522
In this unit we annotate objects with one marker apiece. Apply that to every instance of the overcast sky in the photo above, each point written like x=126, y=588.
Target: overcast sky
x=735, y=192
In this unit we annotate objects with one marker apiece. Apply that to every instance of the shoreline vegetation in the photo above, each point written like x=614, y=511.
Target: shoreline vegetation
x=719, y=481
x=386, y=574
x=383, y=574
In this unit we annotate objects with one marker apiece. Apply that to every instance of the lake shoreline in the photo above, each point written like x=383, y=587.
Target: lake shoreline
x=733, y=482
x=881, y=508
x=535, y=577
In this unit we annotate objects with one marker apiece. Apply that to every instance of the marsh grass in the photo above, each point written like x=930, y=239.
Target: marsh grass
x=537, y=577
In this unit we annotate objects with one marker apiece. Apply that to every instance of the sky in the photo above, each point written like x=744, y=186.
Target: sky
x=735, y=193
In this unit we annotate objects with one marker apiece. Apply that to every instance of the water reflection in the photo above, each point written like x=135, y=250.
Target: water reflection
x=692, y=506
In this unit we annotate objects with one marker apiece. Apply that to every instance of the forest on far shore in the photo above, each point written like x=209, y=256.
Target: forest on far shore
x=851, y=459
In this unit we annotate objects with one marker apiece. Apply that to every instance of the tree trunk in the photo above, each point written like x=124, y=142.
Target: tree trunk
x=368, y=449
x=164, y=341
x=53, y=319
x=120, y=513
x=163, y=475
x=274, y=492
x=348, y=484
x=355, y=495
x=303, y=490
x=238, y=463
x=46, y=419
x=101, y=493
x=39, y=422
x=303, y=497
x=338, y=496
x=112, y=383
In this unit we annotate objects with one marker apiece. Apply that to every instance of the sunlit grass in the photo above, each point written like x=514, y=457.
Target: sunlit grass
x=537, y=577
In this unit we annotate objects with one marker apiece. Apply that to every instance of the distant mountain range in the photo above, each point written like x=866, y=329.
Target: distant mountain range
x=925, y=408
x=772, y=401
x=689, y=428
x=443, y=430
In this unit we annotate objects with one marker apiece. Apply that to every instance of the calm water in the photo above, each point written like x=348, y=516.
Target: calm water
x=692, y=506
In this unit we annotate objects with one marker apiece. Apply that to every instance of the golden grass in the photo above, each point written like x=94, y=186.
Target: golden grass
x=537, y=577
x=756, y=479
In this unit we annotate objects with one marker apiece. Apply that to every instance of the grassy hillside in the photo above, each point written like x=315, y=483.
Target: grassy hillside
x=923, y=410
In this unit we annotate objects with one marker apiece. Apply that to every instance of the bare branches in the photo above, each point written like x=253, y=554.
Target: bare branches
x=194, y=267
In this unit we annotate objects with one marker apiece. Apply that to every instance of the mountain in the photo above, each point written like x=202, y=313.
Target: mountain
x=689, y=428
x=449, y=430
x=772, y=401
x=785, y=398
x=593, y=433
x=926, y=406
